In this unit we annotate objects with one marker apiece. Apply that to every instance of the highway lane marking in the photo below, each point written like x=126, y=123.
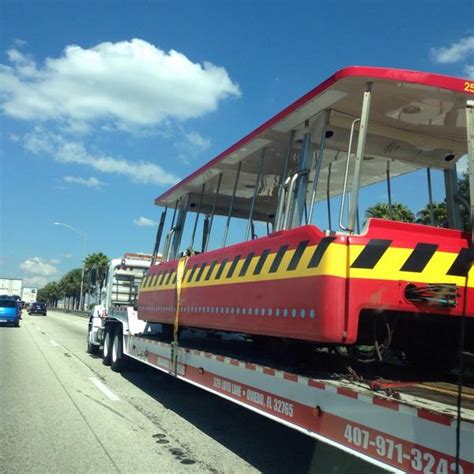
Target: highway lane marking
x=104, y=389
x=79, y=322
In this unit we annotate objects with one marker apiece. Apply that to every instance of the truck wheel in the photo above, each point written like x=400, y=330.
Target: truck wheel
x=116, y=355
x=106, y=354
x=92, y=348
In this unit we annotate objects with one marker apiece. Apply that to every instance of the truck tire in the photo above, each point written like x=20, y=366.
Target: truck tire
x=117, y=358
x=108, y=338
x=92, y=348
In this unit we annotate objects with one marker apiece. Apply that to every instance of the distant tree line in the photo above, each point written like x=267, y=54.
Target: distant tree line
x=68, y=289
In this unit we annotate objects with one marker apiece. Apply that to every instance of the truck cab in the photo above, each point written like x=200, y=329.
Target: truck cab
x=120, y=291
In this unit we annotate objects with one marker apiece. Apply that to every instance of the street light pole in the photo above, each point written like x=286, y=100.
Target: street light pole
x=84, y=237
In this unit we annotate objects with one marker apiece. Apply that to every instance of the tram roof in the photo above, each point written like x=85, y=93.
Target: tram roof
x=416, y=120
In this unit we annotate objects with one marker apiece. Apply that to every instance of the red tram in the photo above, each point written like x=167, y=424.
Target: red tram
x=391, y=283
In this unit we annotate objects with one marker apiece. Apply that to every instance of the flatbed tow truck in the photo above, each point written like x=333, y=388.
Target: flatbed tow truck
x=393, y=416
x=402, y=426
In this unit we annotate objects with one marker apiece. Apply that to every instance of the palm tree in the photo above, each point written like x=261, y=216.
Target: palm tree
x=440, y=215
x=463, y=190
x=440, y=211
x=400, y=212
x=50, y=294
x=70, y=287
x=99, y=262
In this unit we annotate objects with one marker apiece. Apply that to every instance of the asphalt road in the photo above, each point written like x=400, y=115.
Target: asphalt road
x=62, y=410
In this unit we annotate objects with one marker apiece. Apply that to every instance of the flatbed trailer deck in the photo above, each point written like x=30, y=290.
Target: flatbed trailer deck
x=402, y=427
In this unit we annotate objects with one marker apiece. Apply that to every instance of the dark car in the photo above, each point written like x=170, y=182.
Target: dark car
x=37, y=308
x=10, y=312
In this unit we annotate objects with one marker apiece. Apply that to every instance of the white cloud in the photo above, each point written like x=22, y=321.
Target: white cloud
x=198, y=141
x=38, y=266
x=191, y=145
x=43, y=142
x=469, y=71
x=90, y=182
x=19, y=42
x=125, y=85
x=456, y=52
x=36, y=281
x=144, y=222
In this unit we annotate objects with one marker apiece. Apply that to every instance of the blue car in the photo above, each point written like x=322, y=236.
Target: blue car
x=10, y=312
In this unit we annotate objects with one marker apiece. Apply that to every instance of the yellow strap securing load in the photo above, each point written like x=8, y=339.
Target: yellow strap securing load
x=179, y=284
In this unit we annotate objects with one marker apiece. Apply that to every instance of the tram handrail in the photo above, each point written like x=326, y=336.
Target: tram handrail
x=290, y=199
x=167, y=244
x=281, y=207
x=346, y=174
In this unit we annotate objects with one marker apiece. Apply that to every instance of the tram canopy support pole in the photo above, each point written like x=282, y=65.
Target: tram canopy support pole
x=193, y=235
x=430, y=196
x=159, y=233
x=255, y=192
x=470, y=153
x=364, y=121
x=281, y=188
x=318, y=164
x=214, y=204
x=389, y=192
x=298, y=201
x=452, y=206
x=328, y=196
x=179, y=227
x=231, y=206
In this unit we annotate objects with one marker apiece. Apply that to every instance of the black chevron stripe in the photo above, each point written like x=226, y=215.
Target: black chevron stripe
x=371, y=253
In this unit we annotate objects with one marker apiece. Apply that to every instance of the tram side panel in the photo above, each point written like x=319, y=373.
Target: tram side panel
x=280, y=285
x=415, y=275
x=306, y=285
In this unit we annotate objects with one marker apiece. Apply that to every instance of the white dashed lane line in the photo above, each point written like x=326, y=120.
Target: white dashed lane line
x=104, y=389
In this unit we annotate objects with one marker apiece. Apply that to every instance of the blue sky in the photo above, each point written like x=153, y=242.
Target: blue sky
x=91, y=134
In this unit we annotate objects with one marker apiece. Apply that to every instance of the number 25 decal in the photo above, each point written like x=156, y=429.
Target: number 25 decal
x=469, y=86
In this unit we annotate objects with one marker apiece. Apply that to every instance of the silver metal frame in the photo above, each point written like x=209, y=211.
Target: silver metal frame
x=364, y=121
x=297, y=210
x=198, y=212
x=289, y=203
x=318, y=163
x=214, y=204
x=231, y=205
x=166, y=247
x=328, y=196
x=159, y=233
x=451, y=185
x=179, y=227
x=255, y=191
x=470, y=154
x=283, y=182
x=282, y=209
x=174, y=213
x=430, y=195
x=346, y=175
x=389, y=192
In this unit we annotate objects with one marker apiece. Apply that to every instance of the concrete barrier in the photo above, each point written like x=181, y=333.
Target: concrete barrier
x=82, y=314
